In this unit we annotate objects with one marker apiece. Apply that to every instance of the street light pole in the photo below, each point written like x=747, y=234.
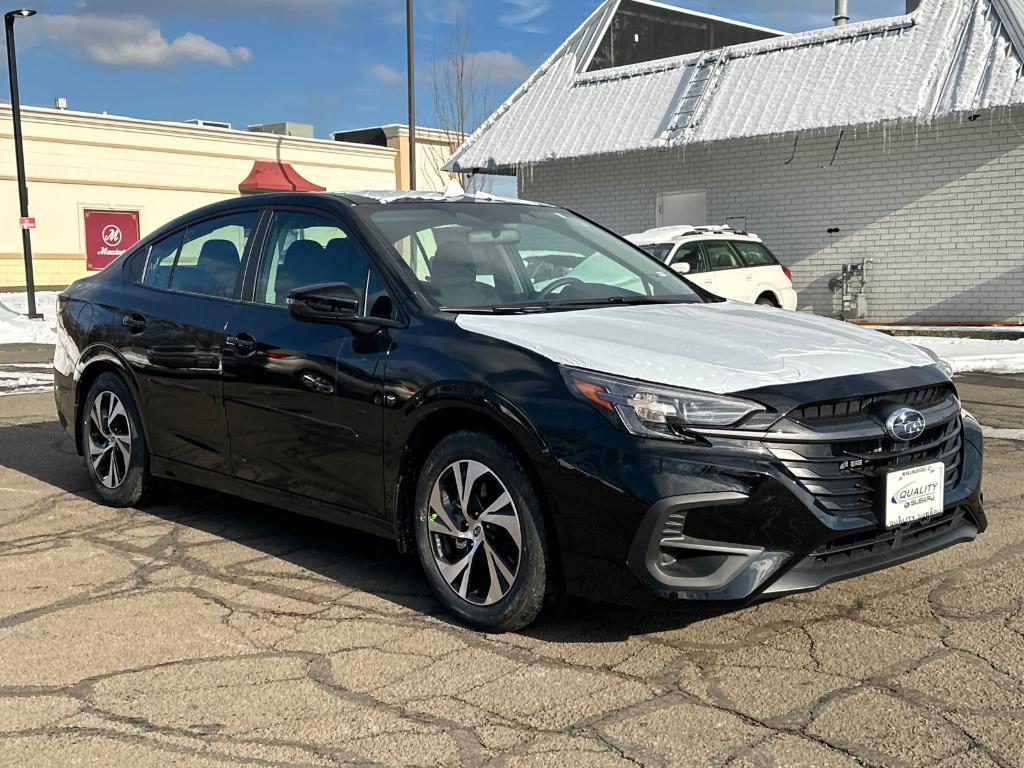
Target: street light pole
x=412, y=93
x=19, y=155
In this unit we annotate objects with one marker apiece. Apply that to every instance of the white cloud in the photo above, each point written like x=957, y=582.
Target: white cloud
x=386, y=75
x=499, y=67
x=224, y=8
x=522, y=15
x=131, y=41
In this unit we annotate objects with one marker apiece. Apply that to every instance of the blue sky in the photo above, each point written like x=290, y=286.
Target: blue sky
x=335, y=63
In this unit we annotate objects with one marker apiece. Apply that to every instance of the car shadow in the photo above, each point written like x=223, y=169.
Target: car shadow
x=295, y=543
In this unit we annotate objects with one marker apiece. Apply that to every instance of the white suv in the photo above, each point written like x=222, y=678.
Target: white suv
x=734, y=265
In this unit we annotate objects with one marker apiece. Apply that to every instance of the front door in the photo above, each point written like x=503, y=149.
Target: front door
x=169, y=327
x=688, y=260
x=304, y=400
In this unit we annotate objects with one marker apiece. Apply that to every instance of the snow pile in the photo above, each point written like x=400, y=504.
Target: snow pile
x=16, y=328
x=25, y=378
x=976, y=355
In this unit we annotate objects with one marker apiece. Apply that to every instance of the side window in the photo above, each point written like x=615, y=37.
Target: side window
x=689, y=254
x=755, y=255
x=160, y=261
x=378, y=298
x=307, y=249
x=721, y=256
x=211, y=255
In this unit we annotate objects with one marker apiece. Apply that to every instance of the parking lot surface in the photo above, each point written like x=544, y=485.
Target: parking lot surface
x=207, y=631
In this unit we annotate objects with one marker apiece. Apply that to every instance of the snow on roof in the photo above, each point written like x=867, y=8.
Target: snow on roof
x=387, y=197
x=948, y=56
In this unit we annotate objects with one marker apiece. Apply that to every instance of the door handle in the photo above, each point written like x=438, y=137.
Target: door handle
x=243, y=344
x=134, y=322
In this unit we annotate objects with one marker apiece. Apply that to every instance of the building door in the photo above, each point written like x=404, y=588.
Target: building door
x=676, y=208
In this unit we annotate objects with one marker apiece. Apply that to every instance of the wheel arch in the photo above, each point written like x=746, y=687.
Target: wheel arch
x=444, y=418
x=96, y=362
x=768, y=293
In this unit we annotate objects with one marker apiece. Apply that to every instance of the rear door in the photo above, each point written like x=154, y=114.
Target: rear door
x=732, y=280
x=304, y=400
x=170, y=330
x=765, y=270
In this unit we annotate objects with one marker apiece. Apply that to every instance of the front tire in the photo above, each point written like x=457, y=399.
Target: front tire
x=113, y=443
x=481, y=534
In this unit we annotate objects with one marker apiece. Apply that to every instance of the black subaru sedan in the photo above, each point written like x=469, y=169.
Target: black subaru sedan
x=436, y=370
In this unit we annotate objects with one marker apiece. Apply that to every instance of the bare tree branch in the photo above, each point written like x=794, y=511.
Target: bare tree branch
x=461, y=94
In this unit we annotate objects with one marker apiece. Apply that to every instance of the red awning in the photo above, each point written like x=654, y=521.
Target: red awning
x=272, y=176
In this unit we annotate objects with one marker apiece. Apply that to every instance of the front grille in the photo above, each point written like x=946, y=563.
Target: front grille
x=835, y=411
x=871, y=543
x=844, y=474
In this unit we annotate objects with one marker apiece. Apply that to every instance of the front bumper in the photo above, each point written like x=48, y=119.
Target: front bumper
x=688, y=548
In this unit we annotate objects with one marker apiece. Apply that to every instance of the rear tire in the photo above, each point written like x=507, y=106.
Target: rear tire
x=481, y=534
x=113, y=443
x=767, y=301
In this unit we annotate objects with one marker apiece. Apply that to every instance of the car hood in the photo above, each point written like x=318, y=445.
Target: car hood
x=722, y=347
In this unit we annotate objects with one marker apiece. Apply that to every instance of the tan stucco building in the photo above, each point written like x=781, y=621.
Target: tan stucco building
x=83, y=164
x=433, y=149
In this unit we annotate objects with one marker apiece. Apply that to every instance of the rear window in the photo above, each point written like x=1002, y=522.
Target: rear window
x=755, y=254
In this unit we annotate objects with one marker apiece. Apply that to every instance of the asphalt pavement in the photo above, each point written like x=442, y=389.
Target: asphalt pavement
x=207, y=631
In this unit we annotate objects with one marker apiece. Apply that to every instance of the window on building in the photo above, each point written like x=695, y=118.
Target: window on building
x=755, y=254
x=308, y=249
x=641, y=32
x=210, y=257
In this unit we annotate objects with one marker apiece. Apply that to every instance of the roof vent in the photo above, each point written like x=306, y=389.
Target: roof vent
x=842, y=17
x=209, y=123
x=302, y=130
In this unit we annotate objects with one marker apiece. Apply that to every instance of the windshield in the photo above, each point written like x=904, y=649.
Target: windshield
x=506, y=257
x=659, y=251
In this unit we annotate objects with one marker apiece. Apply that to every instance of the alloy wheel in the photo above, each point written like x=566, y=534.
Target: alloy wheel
x=475, y=532
x=110, y=439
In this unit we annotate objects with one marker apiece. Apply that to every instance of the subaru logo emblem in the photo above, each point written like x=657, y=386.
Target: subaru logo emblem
x=905, y=425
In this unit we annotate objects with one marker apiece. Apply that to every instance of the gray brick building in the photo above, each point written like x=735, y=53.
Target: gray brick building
x=899, y=140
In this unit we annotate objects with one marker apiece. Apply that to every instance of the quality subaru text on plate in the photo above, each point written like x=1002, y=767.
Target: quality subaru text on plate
x=532, y=404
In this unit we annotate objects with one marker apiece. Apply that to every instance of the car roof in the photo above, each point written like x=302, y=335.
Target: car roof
x=390, y=196
x=684, y=234
x=320, y=199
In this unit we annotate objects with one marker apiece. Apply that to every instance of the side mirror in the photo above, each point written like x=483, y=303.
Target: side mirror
x=325, y=303
x=683, y=268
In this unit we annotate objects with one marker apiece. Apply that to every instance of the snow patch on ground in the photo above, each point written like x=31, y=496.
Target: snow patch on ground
x=16, y=328
x=1000, y=356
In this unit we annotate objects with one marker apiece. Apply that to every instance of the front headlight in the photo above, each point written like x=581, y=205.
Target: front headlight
x=652, y=410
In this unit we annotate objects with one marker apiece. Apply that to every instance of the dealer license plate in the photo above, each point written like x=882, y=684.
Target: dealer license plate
x=914, y=493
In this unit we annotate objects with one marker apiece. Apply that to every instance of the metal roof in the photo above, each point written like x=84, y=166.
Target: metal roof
x=948, y=56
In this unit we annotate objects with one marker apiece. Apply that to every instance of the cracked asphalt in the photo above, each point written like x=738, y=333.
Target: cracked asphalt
x=207, y=631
